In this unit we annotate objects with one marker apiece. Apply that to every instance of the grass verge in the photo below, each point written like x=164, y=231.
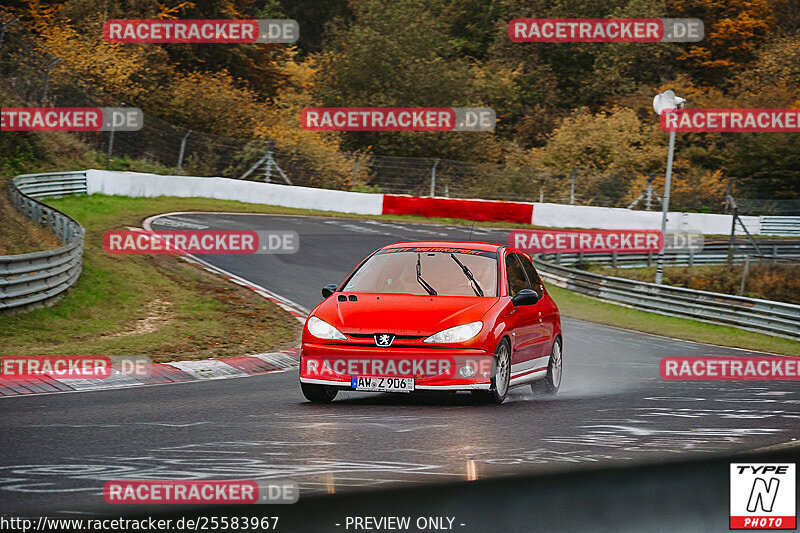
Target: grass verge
x=155, y=305
x=18, y=234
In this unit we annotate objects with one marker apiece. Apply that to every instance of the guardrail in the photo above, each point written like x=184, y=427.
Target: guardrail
x=763, y=316
x=39, y=279
x=780, y=225
x=713, y=253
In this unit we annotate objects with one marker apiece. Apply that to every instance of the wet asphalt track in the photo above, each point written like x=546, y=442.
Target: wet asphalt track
x=58, y=450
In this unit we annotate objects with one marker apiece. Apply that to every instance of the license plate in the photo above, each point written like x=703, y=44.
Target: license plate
x=370, y=384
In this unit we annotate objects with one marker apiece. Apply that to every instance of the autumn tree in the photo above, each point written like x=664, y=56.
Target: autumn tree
x=398, y=55
x=734, y=29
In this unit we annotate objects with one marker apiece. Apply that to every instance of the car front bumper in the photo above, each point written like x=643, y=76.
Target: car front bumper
x=342, y=362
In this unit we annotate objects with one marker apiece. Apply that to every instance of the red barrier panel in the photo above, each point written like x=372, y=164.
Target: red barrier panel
x=480, y=210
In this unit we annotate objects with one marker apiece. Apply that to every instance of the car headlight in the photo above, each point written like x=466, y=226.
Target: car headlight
x=321, y=329
x=460, y=333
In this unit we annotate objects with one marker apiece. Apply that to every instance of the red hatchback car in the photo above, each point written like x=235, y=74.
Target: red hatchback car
x=427, y=316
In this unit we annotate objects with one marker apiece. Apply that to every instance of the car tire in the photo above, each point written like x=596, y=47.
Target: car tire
x=551, y=382
x=318, y=393
x=501, y=378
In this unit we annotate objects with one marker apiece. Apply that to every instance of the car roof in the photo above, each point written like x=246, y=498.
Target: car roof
x=482, y=246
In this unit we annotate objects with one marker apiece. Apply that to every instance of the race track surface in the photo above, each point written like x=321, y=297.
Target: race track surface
x=613, y=408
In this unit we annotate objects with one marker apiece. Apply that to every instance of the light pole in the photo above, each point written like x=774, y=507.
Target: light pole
x=662, y=103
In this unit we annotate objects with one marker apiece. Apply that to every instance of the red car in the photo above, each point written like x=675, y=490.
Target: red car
x=428, y=316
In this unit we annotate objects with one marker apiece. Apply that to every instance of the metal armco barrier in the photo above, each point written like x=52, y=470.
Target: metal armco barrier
x=763, y=316
x=713, y=253
x=775, y=225
x=39, y=279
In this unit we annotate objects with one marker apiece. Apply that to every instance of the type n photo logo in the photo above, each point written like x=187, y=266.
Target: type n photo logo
x=763, y=496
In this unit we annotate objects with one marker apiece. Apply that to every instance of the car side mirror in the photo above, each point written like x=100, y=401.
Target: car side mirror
x=525, y=297
x=327, y=290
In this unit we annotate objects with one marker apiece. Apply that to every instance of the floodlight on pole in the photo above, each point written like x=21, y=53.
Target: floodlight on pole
x=662, y=103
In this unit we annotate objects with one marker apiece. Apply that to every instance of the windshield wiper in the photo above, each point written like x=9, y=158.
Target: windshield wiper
x=421, y=281
x=468, y=273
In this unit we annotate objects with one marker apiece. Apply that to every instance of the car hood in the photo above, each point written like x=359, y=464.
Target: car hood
x=401, y=314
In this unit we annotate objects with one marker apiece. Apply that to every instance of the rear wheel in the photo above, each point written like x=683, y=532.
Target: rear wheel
x=550, y=383
x=500, y=379
x=318, y=393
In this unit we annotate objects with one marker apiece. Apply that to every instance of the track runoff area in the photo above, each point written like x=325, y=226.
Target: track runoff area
x=259, y=441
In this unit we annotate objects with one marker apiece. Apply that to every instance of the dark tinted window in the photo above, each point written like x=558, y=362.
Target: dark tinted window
x=515, y=275
x=533, y=276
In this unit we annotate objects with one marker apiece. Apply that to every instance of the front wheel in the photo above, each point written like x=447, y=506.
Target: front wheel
x=550, y=383
x=502, y=376
x=318, y=393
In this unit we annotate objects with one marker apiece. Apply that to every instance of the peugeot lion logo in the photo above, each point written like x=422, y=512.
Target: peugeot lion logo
x=384, y=339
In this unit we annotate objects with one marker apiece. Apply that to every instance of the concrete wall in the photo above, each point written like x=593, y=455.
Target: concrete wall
x=544, y=214
x=580, y=216
x=152, y=185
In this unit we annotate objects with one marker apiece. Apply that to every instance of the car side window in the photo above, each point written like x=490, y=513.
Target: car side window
x=533, y=276
x=515, y=275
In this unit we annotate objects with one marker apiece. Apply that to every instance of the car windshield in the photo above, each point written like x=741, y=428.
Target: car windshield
x=442, y=271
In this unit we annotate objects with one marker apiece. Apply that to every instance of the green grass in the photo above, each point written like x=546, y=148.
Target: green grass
x=144, y=305
x=574, y=305
x=18, y=234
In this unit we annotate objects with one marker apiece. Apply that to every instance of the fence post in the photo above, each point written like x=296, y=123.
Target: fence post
x=541, y=195
x=355, y=169
x=3, y=30
x=734, y=214
x=433, y=176
x=775, y=254
x=180, y=154
x=572, y=186
x=47, y=79
x=744, y=274
x=614, y=259
x=111, y=143
x=110, y=147
x=268, y=167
